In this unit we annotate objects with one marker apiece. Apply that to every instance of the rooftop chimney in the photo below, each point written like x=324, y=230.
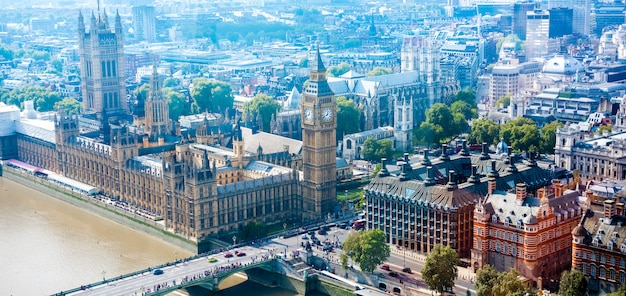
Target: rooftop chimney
x=465, y=150
x=609, y=208
x=474, y=178
x=407, y=163
x=557, y=187
x=444, y=152
x=426, y=161
x=429, y=180
x=491, y=182
x=520, y=192
x=512, y=168
x=383, y=168
x=403, y=176
x=619, y=209
x=541, y=193
x=485, y=154
x=494, y=171
x=532, y=162
x=451, y=182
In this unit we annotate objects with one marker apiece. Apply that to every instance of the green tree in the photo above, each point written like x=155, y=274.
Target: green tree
x=467, y=95
x=368, y=248
x=41, y=55
x=44, y=99
x=352, y=43
x=57, y=65
x=603, y=128
x=484, y=131
x=510, y=38
x=176, y=103
x=304, y=63
x=379, y=71
x=264, y=105
x=376, y=149
x=211, y=96
x=142, y=91
x=464, y=108
x=509, y=284
x=486, y=277
x=573, y=283
x=548, y=137
x=253, y=230
x=170, y=82
x=348, y=114
x=427, y=134
x=338, y=70
x=6, y=53
x=504, y=101
x=440, y=269
x=522, y=134
x=441, y=124
x=70, y=105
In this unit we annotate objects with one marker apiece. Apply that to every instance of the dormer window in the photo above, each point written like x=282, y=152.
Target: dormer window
x=494, y=218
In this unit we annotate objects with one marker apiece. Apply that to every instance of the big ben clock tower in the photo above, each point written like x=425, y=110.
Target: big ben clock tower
x=319, y=126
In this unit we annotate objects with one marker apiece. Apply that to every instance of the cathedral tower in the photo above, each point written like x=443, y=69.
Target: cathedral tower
x=319, y=126
x=158, y=123
x=101, y=53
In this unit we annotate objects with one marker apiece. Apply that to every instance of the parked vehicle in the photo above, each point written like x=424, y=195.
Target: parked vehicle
x=157, y=271
x=407, y=270
x=385, y=267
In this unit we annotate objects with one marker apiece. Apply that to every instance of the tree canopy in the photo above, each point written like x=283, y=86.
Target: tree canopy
x=70, y=105
x=440, y=269
x=490, y=282
x=264, y=105
x=6, y=53
x=348, y=114
x=521, y=134
x=548, y=137
x=485, y=280
x=170, y=82
x=573, y=283
x=44, y=98
x=253, y=230
x=484, y=131
x=464, y=108
x=338, y=70
x=176, y=102
x=440, y=124
x=504, y=101
x=376, y=149
x=211, y=96
x=379, y=71
x=467, y=95
x=368, y=248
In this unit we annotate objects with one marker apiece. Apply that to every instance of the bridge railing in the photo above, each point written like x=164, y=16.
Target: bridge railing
x=209, y=274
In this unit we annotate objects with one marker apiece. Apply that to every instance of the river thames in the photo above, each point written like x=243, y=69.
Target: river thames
x=48, y=246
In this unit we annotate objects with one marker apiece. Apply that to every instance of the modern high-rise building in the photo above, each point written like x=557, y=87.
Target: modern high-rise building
x=144, y=24
x=581, y=21
x=102, y=67
x=537, y=33
x=560, y=22
x=519, y=18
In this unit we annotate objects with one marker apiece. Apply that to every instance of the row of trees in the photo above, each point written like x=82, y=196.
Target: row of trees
x=520, y=134
x=45, y=99
x=443, y=123
x=343, y=68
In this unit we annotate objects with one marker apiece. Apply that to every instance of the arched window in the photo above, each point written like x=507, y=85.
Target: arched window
x=348, y=144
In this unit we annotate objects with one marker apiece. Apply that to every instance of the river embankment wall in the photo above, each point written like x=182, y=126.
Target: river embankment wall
x=111, y=212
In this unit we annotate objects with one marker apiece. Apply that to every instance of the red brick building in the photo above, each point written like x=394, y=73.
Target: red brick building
x=531, y=234
x=599, y=246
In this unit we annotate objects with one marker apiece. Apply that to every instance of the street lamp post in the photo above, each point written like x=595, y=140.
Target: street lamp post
x=285, y=227
x=175, y=257
x=103, y=273
x=234, y=240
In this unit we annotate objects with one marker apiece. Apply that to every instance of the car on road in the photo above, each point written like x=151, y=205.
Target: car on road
x=241, y=254
x=328, y=248
x=322, y=232
x=157, y=271
x=304, y=236
x=228, y=255
x=393, y=274
x=385, y=267
x=407, y=270
x=212, y=260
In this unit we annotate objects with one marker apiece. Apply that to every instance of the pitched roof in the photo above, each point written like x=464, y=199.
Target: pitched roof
x=270, y=143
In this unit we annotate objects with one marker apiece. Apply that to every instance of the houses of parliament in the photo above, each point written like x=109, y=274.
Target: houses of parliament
x=200, y=189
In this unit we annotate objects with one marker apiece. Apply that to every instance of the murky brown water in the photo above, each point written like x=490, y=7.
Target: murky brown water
x=47, y=246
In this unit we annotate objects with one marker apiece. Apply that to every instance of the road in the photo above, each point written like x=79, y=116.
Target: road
x=397, y=261
x=147, y=282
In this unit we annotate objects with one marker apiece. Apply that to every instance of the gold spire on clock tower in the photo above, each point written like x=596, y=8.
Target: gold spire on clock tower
x=319, y=126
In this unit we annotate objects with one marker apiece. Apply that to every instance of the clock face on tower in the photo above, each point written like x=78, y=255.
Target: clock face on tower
x=308, y=114
x=327, y=114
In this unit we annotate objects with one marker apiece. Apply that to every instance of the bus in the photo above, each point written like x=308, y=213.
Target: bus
x=359, y=224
